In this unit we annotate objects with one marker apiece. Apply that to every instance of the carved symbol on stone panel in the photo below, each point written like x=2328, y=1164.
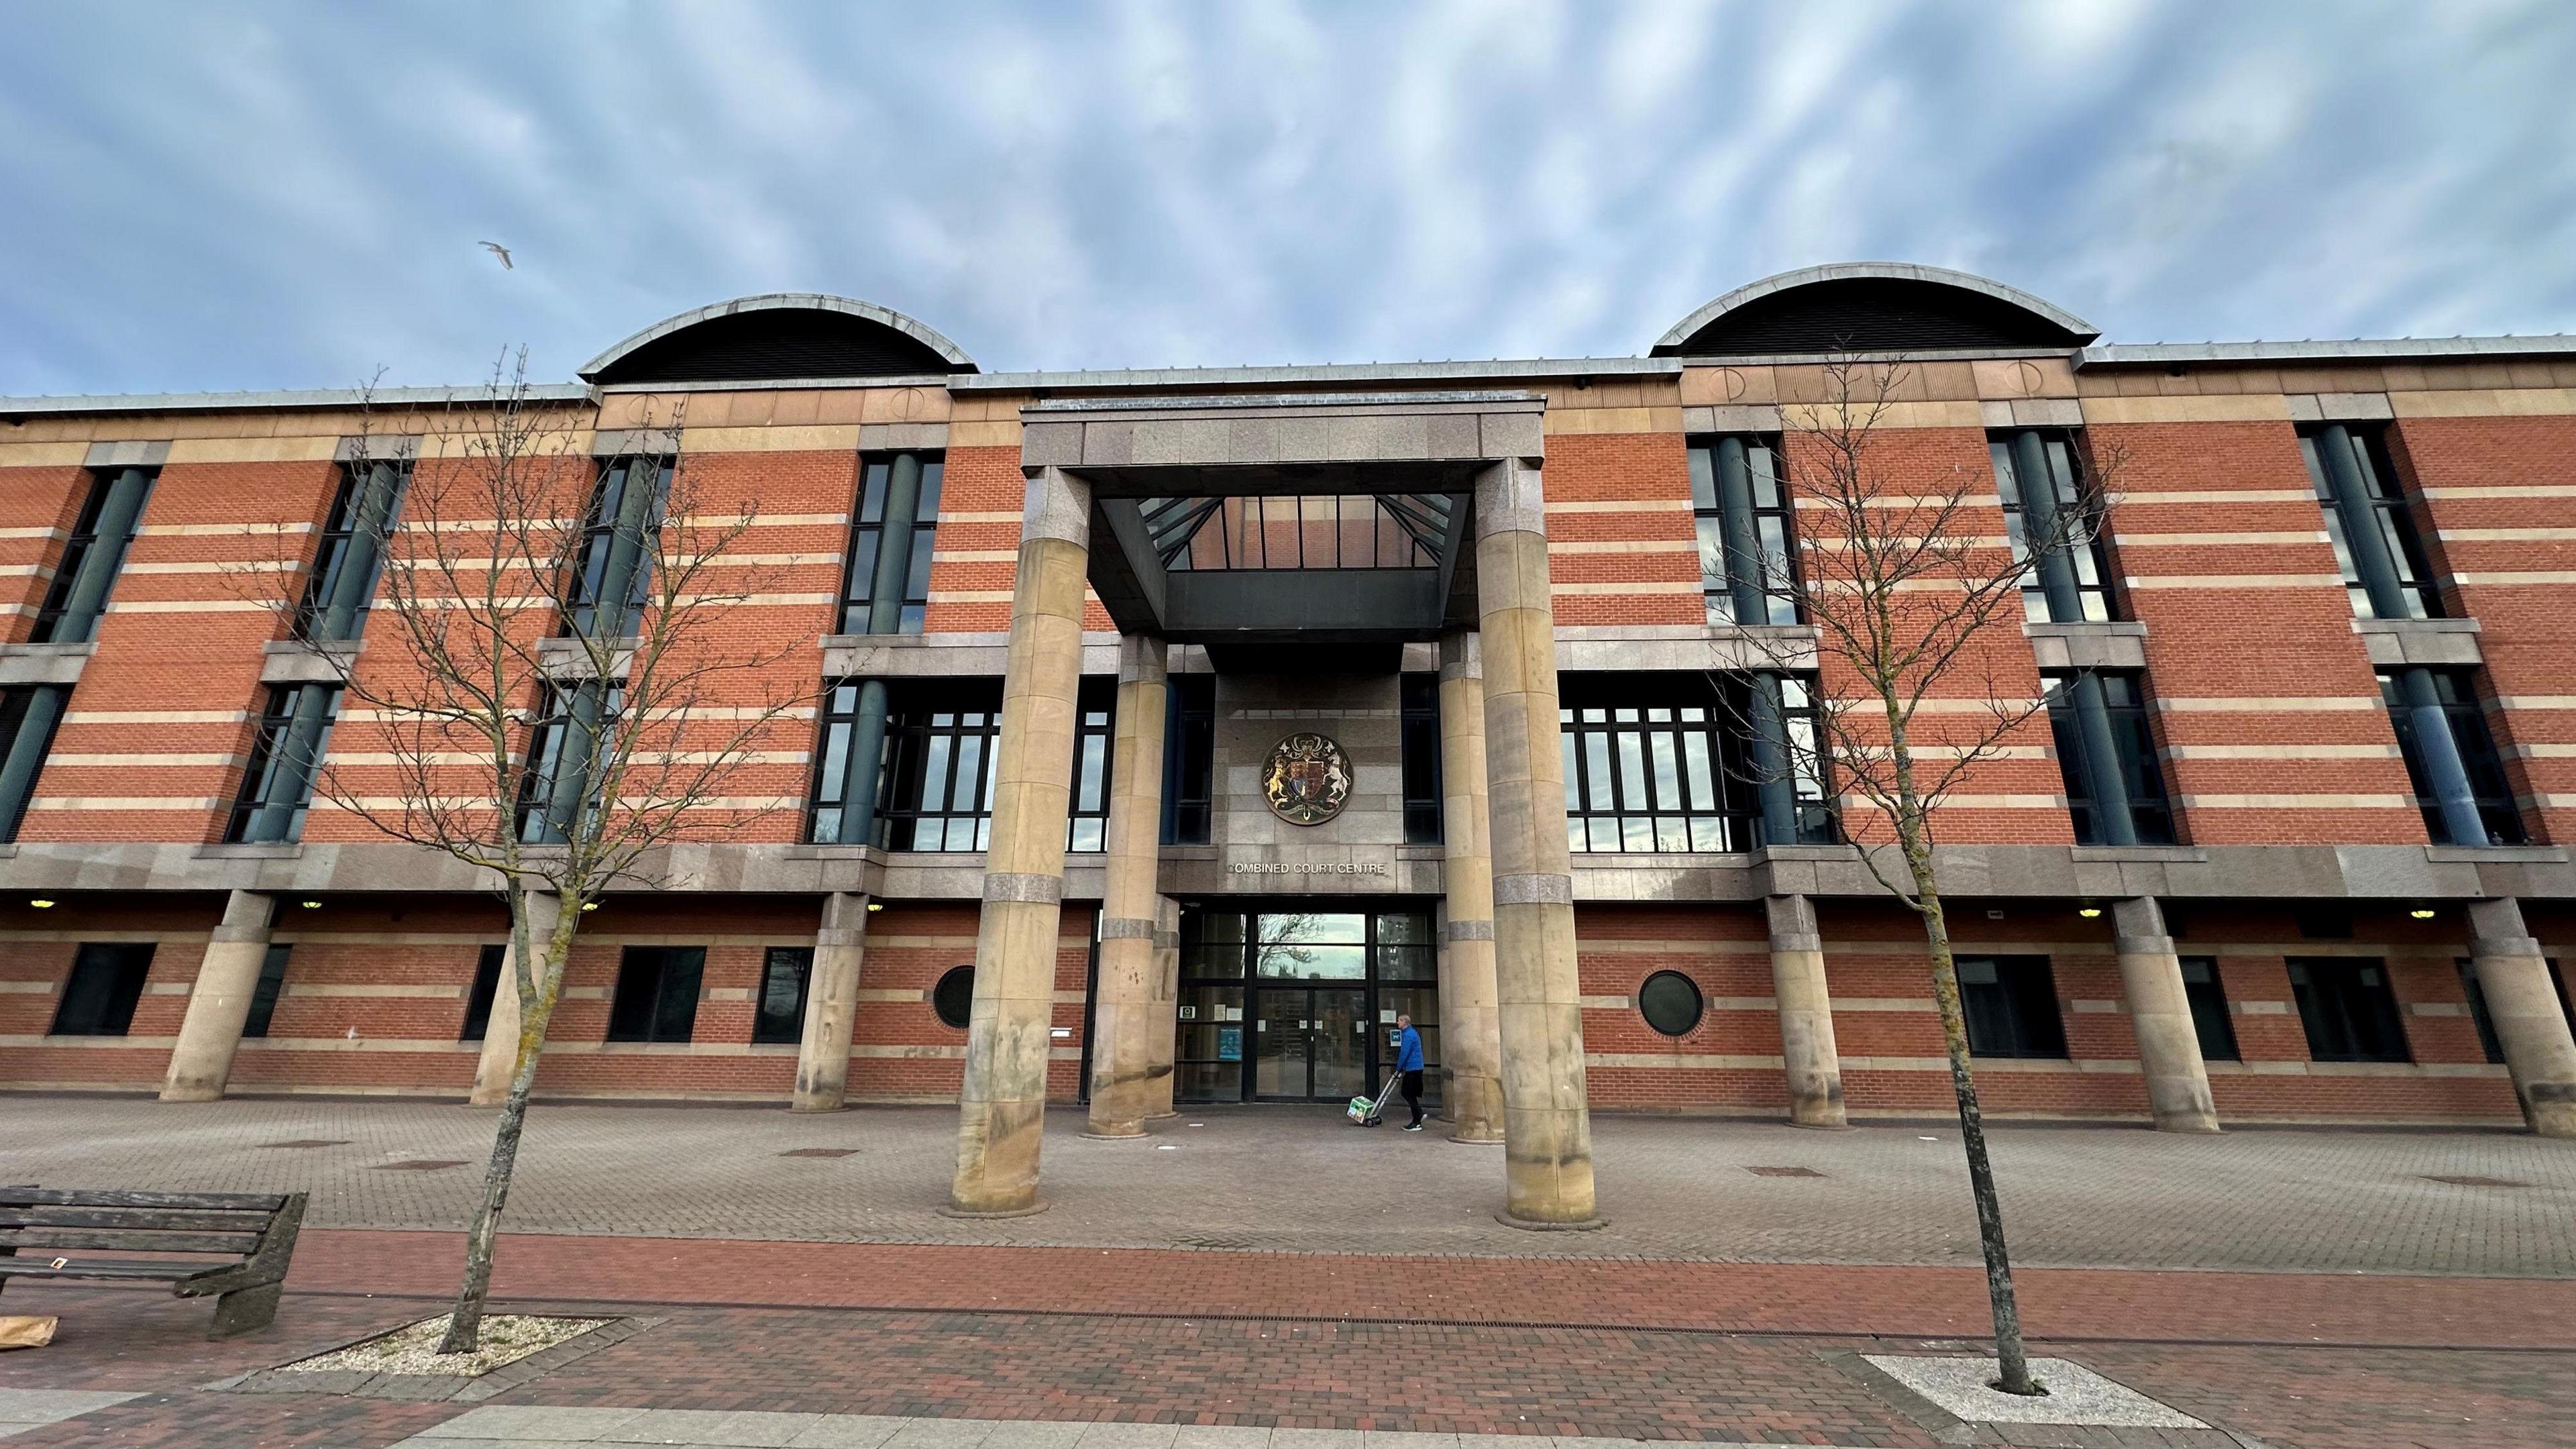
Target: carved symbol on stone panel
x=2031, y=379
x=909, y=403
x=1307, y=779
x=1733, y=381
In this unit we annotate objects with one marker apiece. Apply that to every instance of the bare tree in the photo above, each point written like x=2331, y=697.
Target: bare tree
x=550, y=691
x=1907, y=586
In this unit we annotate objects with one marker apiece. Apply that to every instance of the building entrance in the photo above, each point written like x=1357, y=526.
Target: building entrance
x=1298, y=1005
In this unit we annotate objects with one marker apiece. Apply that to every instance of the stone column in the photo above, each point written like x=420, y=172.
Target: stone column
x=2523, y=1008
x=501, y=1030
x=1002, y=1106
x=1547, y=1121
x=1808, y=1056
x=831, y=1004
x=2160, y=1014
x=219, y=1003
x=1161, y=1023
x=1123, y=1027
x=1470, y=1027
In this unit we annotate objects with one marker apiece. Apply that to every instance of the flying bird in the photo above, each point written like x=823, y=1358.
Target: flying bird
x=498, y=250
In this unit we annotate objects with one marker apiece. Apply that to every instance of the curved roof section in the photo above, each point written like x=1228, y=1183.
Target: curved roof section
x=1872, y=307
x=779, y=336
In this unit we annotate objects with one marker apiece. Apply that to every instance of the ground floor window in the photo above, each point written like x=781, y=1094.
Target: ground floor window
x=784, y=976
x=106, y=982
x=263, y=997
x=478, y=997
x=2349, y=1010
x=657, y=994
x=2209, y=1018
x=1300, y=1005
x=2011, y=1006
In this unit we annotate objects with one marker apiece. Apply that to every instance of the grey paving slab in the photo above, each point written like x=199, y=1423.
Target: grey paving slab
x=24, y=1409
x=729, y=1427
x=2075, y=1394
x=941, y=1434
x=847, y=1431
x=1220, y=1436
x=1117, y=1436
x=531, y=1421
x=1295, y=1180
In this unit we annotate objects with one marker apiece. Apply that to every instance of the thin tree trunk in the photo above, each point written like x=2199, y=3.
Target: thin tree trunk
x=2012, y=1361
x=536, y=1008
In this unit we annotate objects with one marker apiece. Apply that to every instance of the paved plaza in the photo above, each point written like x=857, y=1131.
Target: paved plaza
x=1277, y=1280
x=1302, y=1181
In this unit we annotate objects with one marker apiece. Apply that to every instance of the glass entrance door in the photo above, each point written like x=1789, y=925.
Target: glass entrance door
x=1291, y=1005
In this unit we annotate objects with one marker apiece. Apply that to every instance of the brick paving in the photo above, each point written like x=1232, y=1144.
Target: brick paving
x=847, y=1298
x=1290, y=1180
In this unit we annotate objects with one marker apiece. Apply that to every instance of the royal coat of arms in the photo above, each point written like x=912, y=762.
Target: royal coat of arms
x=1307, y=779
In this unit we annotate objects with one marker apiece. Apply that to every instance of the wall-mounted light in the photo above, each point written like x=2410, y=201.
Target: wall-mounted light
x=876, y=905
x=590, y=905
x=2423, y=913
x=42, y=904
x=311, y=905
x=2088, y=912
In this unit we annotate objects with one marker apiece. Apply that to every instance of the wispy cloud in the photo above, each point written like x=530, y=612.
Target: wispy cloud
x=225, y=195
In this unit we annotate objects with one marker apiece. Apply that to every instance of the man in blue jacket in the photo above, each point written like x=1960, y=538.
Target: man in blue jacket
x=1408, y=1060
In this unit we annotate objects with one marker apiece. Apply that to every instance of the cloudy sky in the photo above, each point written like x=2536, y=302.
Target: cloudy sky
x=217, y=196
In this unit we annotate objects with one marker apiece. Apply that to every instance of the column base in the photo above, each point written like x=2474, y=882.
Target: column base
x=192, y=1094
x=818, y=1106
x=1162, y=1116
x=1139, y=1135
x=1461, y=1137
x=1816, y=1126
x=1534, y=1225
x=2189, y=1127
x=951, y=1210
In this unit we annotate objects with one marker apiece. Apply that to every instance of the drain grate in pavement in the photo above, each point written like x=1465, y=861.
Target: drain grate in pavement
x=2472, y=1180
x=1784, y=1172
x=309, y=1142
x=820, y=1152
x=420, y=1164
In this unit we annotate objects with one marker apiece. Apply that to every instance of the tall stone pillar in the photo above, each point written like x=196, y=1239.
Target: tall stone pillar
x=2538, y=1049
x=219, y=1003
x=1123, y=1024
x=501, y=1029
x=1470, y=1025
x=2160, y=1014
x=1002, y=1106
x=1547, y=1120
x=1808, y=1057
x=1162, y=1024
x=831, y=1004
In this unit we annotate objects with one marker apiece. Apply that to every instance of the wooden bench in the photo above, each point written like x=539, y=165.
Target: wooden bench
x=253, y=1234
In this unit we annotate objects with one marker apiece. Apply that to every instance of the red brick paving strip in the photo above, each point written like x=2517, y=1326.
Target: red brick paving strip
x=2061, y=1303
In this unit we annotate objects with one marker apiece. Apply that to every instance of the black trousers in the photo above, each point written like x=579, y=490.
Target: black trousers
x=1413, y=1093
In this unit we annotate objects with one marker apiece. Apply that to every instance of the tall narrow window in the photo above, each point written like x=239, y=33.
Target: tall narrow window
x=2040, y=476
x=2209, y=1019
x=1746, y=570
x=561, y=779
x=1087, y=826
x=86, y=569
x=886, y=587
x=2349, y=1010
x=2011, y=1006
x=2366, y=515
x=105, y=983
x=1420, y=742
x=28, y=716
x=278, y=787
x=849, y=769
x=351, y=553
x=263, y=996
x=478, y=997
x=2490, y=790
x=2131, y=769
x=1189, y=771
x=614, y=564
x=784, y=974
x=657, y=994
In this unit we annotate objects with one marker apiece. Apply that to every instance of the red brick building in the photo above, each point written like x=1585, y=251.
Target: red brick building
x=2309, y=759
